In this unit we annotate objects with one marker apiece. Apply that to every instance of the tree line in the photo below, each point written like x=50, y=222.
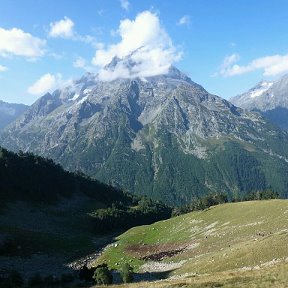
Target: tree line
x=209, y=200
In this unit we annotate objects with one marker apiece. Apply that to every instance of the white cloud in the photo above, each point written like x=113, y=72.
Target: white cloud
x=184, y=20
x=149, y=46
x=65, y=29
x=62, y=28
x=80, y=62
x=17, y=42
x=47, y=83
x=125, y=4
x=270, y=65
x=3, y=68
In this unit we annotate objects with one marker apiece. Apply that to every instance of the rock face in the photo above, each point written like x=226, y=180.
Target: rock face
x=9, y=112
x=164, y=136
x=269, y=98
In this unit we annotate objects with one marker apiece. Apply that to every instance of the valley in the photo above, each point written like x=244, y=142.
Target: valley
x=143, y=144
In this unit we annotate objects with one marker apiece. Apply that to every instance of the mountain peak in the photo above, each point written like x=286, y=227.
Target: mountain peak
x=260, y=88
x=139, y=64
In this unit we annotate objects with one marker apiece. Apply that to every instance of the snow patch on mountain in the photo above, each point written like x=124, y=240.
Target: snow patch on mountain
x=261, y=88
x=76, y=96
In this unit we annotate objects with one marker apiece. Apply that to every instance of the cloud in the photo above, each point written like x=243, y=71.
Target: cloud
x=146, y=43
x=81, y=63
x=270, y=65
x=65, y=29
x=184, y=20
x=62, y=28
x=17, y=42
x=125, y=4
x=47, y=83
x=3, y=68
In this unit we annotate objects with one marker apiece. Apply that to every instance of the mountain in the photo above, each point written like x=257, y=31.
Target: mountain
x=269, y=98
x=9, y=112
x=162, y=136
x=50, y=218
x=210, y=248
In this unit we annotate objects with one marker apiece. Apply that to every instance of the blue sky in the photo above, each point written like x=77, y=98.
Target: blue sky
x=227, y=46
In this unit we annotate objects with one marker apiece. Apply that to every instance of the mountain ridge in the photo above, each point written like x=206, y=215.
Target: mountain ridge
x=9, y=112
x=163, y=136
x=272, y=103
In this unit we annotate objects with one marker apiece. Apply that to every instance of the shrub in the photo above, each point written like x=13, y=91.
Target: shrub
x=102, y=275
x=126, y=273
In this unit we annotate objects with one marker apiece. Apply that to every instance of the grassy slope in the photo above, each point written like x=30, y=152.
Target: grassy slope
x=223, y=238
x=276, y=277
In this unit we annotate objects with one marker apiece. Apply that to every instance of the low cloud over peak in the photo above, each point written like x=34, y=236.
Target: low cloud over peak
x=146, y=42
x=46, y=83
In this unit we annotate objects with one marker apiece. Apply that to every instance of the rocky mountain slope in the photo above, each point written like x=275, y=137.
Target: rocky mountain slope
x=269, y=98
x=9, y=112
x=164, y=136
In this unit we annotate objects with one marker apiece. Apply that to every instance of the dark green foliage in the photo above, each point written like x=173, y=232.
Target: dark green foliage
x=261, y=195
x=42, y=184
x=41, y=180
x=120, y=216
x=216, y=199
x=201, y=203
x=126, y=273
x=103, y=275
x=179, y=178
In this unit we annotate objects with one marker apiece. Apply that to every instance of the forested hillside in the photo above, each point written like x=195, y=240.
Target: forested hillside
x=50, y=218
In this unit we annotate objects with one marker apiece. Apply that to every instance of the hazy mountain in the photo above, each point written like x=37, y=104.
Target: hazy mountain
x=269, y=98
x=163, y=136
x=9, y=112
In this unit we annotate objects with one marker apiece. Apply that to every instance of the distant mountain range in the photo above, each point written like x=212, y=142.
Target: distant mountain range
x=9, y=112
x=163, y=136
x=269, y=98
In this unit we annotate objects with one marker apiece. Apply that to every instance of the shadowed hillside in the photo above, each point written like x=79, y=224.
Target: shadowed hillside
x=50, y=218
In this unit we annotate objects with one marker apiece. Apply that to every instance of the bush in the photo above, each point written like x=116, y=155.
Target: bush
x=126, y=273
x=102, y=275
